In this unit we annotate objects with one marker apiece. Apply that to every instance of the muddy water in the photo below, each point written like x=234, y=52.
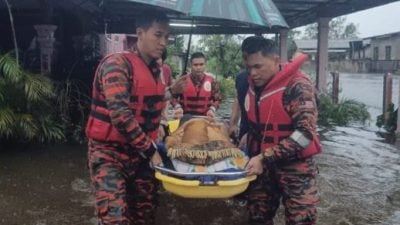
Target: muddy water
x=359, y=180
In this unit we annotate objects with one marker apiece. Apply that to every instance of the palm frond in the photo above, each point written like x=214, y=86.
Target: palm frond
x=7, y=121
x=27, y=126
x=1, y=91
x=50, y=131
x=37, y=87
x=9, y=68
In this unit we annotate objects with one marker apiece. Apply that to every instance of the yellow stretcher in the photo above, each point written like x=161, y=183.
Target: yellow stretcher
x=211, y=187
x=202, y=184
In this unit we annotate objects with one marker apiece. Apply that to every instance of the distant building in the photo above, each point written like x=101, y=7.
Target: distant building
x=377, y=54
x=337, y=49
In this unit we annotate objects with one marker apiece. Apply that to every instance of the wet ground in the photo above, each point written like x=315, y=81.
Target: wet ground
x=44, y=186
x=359, y=182
x=359, y=179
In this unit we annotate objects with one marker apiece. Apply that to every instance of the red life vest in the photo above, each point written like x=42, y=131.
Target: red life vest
x=269, y=123
x=197, y=101
x=147, y=102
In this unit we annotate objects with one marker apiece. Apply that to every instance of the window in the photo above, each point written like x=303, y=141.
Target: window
x=376, y=53
x=388, y=52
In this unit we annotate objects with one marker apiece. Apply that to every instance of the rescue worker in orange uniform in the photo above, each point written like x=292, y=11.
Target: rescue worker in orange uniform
x=201, y=96
x=128, y=98
x=282, y=137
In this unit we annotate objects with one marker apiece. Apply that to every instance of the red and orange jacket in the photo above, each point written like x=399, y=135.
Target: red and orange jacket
x=199, y=95
x=127, y=102
x=285, y=104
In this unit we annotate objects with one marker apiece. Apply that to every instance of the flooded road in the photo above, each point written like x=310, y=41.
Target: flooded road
x=359, y=179
x=368, y=89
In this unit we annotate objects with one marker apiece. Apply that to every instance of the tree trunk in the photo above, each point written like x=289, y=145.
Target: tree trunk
x=13, y=31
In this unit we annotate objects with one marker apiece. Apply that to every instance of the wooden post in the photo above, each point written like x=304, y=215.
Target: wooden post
x=335, y=87
x=283, y=45
x=398, y=119
x=387, y=95
x=322, y=53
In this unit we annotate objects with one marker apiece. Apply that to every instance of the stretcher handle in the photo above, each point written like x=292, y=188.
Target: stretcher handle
x=176, y=173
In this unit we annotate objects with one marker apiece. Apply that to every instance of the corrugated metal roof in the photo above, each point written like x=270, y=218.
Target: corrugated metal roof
x=296, y=12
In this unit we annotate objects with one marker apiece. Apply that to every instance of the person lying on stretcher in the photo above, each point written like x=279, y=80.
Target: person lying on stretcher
x=203, y=145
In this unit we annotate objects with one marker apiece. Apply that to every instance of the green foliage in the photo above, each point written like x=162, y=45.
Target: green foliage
x=223, y=54
x=350, y=31
x=342, y=114
x=73, y=105
x=178, y=46
x=175, y=50
x=391, y=123
x=25, y=105
x=50, y=129
x=311, y=31
x=338, y=29
x=227, y=87
x=175, y=70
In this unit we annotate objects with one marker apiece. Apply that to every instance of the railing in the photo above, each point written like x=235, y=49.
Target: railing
x=384, y=65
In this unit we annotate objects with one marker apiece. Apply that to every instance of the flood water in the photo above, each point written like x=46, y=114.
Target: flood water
x=360, y=173
x=359, y=178
x=368, y=89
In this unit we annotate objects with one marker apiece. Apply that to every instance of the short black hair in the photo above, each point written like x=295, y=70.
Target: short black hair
x=146, y=18
x=254, y=44
x=249, y=39
x=197, y=55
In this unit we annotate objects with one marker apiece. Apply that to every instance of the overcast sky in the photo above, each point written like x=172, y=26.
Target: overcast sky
x=376, y=21
x=371, y=22
x=379, y=20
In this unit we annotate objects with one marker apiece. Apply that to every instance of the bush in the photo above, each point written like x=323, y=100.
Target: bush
x=73, y=106
x=342, y=114
x=391, y=124
x=26, y=111
x=227, y=88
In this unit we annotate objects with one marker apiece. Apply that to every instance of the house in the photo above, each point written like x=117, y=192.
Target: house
x=379, y=53
x=338, y=53
x=337, y=49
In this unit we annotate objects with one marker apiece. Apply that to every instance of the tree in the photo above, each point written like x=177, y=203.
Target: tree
x=13, y=30
x=338, y=29
x=223, y=54
x=175, y=50
x=350, y=31
x=177, y=47
x=26, y=110
x=311, y=31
